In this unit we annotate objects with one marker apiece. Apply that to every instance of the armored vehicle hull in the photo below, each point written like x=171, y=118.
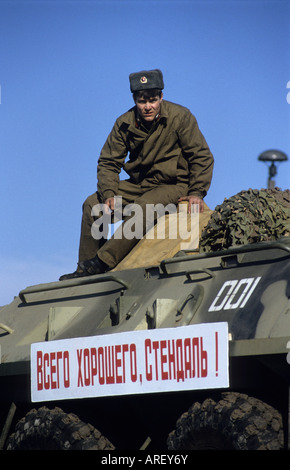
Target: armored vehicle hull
x=196, y=395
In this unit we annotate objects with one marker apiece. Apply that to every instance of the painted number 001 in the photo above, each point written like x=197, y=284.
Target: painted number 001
x=234, y=294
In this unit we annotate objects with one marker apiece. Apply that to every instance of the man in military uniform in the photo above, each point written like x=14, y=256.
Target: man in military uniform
x=169, y=161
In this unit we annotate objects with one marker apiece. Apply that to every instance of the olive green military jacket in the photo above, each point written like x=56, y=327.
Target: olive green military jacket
x=173, y=151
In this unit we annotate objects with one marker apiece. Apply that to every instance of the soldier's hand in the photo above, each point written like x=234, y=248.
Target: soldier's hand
x=193, y=200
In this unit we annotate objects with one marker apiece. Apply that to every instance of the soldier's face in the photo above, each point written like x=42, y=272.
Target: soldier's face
x=148, y=108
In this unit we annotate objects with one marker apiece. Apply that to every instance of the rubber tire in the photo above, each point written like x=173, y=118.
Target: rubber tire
x=234, y=422
x=46, y=429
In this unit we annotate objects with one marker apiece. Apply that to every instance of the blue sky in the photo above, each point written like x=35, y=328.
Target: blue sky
x=64, y=69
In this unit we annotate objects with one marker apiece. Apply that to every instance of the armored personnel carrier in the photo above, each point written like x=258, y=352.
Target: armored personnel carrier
x=174, y=349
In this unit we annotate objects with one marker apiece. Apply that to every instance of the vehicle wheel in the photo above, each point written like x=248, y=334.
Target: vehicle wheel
x=46, y=429
x=235, y=422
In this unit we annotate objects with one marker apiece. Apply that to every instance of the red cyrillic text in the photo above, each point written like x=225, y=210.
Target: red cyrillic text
x=52, y=370
x=175, y=359
x=106, y=365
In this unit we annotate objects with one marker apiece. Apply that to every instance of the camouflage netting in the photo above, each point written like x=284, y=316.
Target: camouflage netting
x=248, y=217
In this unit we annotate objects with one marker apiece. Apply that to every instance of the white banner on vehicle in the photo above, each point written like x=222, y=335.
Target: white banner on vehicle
x=170, y=359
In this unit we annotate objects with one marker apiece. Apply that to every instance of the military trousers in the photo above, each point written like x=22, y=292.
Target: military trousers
x=112, y=251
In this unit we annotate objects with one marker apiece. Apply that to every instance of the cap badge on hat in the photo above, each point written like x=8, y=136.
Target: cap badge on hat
x=146, y=80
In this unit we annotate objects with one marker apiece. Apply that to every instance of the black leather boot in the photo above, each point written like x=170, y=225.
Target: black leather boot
x=73, y=275
x=93, y=266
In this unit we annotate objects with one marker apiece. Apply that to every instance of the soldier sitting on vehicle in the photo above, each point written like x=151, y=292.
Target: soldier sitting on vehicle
x=169, y=161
